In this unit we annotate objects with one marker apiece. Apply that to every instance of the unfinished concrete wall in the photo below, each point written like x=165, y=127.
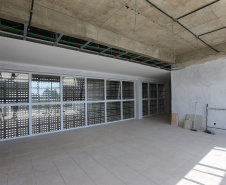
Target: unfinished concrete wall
x=205, y=84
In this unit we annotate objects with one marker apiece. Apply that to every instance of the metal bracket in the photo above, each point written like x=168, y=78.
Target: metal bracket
x=58, y=39
x=197, y=9
x=84, y=45
x=137, y=57
x=31, y=13
x=25, y=31
x=122, y=54
x=105, y=50
x=182, y=24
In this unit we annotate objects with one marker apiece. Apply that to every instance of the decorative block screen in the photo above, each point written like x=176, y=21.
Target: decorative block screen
x=145, y=107
x=45, y=88
x=156, y=99
x=128, y=90
x=153, y=107
x=45, y=118
x=113, y=111
x=20, y=117
x=95, y=89
x=161, y=91
x=161, y=107
x=113, y=90
x=128, y=109
x=14, y=88
x=73, y=89
x=14, y=121
x=152, y=90
x=96, y=113
x=74, y=115
x=144, y=90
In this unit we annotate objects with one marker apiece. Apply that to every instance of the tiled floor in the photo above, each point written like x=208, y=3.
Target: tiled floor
x=136, y=152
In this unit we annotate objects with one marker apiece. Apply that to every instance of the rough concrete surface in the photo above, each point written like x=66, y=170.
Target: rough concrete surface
x=196, y=57
x=204, y=84
x=130, y=25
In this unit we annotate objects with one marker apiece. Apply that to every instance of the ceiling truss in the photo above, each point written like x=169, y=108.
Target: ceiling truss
x=22, y=31
x=176, y=20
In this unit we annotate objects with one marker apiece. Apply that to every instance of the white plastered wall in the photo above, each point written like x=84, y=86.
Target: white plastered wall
x=24, y=56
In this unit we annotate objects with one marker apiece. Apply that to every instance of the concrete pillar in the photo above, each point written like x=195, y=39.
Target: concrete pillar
x=138, y=99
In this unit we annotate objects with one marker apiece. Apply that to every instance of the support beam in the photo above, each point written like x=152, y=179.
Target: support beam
x=149, y=60
x=73, y=48
x=85, y=45
x=137, y=57
x=176, y=20
x=157, y=62
x=153, y=64
x=141, y=63
x=25, y=31
x=31, y=13
x=105, y=50
x=57, y=21
x=58, y=39
x=204, y=55
x=122, y=54
x=197, y=10
x=212, y=31
x=197, y=37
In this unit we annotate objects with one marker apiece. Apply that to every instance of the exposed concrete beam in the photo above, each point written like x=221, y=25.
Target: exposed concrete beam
x=60, y=23
x=200, y=56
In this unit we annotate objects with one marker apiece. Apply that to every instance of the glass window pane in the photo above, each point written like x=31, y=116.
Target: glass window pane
x=73, y=89
x=128, y=109
x=113, y=90
x=14, y=88
x=153, y=90
x=74, y=115
x=96, y=113
x=145, y=107
x=161, y=106
x=14, y=121
x=161, y=91
x=95, y=89
x=113, y=111
x=153, y=107
x=128, y=90
x=45, y=118
x=45, y=88
x=144, y=90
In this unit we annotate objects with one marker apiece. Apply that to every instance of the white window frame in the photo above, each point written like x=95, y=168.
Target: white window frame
x=61, y=102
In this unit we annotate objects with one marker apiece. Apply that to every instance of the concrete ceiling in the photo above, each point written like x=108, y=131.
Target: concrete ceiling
x=130, y=24
x=44, y=55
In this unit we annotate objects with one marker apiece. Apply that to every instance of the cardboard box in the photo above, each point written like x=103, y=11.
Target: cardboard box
x=174, y=119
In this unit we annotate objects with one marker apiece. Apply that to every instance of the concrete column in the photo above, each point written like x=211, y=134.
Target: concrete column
x=138, y=98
